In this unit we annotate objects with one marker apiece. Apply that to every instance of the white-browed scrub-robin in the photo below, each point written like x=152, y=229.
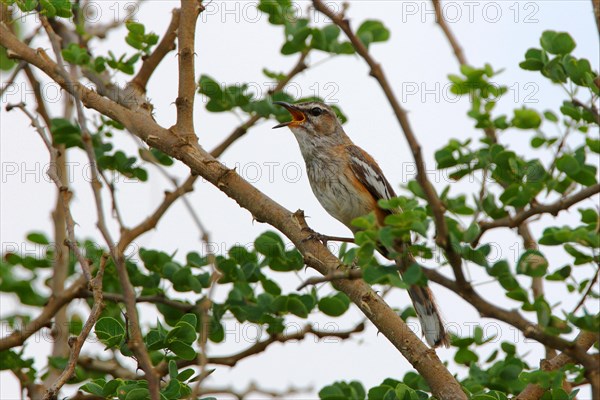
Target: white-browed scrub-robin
x=348, y=183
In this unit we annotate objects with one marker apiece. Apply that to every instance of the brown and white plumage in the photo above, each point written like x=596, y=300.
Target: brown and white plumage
x=348, y=183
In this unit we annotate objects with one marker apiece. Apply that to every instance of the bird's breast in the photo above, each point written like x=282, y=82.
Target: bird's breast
x=337, y=191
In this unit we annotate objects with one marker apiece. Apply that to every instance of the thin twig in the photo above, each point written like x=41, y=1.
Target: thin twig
x=261, y=346
x=441, y=21
x=592, y=110
x=587, y=292
x=77, y=344
x=552, y=208
x=166, y=45
x=55, y=303
x=155, y=299
x=113, y=197
x=64, y=190
x=334, y=276
x=243, y=128
x=254, y=388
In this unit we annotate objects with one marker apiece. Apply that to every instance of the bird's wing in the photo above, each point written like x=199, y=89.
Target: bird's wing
x=369, y=174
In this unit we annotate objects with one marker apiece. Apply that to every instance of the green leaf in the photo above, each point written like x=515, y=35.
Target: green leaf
x=414, y=275
x=568, y=164
x=138, y=394
x=593, y=144
x=75, y=54
x=560, y=274
x=111, y=387
x=580, y=258
x=173, y=369
x=64, y=132
x=557, y=42
x=381, y=392
x=109, y=331
x=6, y=63
x=335, y=305
x=372, y=31
x=532, y=263
x=38, y=238
x=182, y=350
x=269, y=244
x=471, y=233
x=279, y=11
x=185, y=375
x=526, y=119
x=297, y=307
x=94, y=387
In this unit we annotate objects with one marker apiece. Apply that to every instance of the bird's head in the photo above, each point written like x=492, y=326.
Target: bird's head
x=310, y=118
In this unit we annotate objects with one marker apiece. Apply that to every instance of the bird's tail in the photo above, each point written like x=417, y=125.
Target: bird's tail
x=432, y=323
x=430, y=317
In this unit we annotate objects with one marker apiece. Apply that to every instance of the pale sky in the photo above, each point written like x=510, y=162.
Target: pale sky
x=234, y=43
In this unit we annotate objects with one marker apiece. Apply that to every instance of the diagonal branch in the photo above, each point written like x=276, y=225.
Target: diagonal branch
x=261, y=346
x=242, y=129
x=534, y=392
x=317, y=256
x=596, y=8
x=166, y=45
x=441, y=21
x=55, y=303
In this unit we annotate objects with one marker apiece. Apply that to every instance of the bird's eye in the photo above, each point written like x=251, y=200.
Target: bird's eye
x=316, y=111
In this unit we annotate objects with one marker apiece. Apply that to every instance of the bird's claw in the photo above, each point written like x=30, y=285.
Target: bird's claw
x=314, y=235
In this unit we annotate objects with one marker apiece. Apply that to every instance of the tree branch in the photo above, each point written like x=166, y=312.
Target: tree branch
x=190, y=9
x=439, y=18
x=55, y=303
x=535, y=209
x=253, y=388
x=77, y=344
x=587, y=292
x=242, y=129
x=166, y=45
x=261, y=346
x=334, y=276
x=154, y=299
x=514, y=318
x=533, y=392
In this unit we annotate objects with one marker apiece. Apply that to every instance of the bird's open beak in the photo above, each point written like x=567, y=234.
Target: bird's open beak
x=298, y=116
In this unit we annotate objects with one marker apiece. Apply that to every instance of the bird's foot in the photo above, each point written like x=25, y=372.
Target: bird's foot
x=313, y=235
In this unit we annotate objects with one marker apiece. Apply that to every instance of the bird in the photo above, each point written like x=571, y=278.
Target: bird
x=348, y=183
